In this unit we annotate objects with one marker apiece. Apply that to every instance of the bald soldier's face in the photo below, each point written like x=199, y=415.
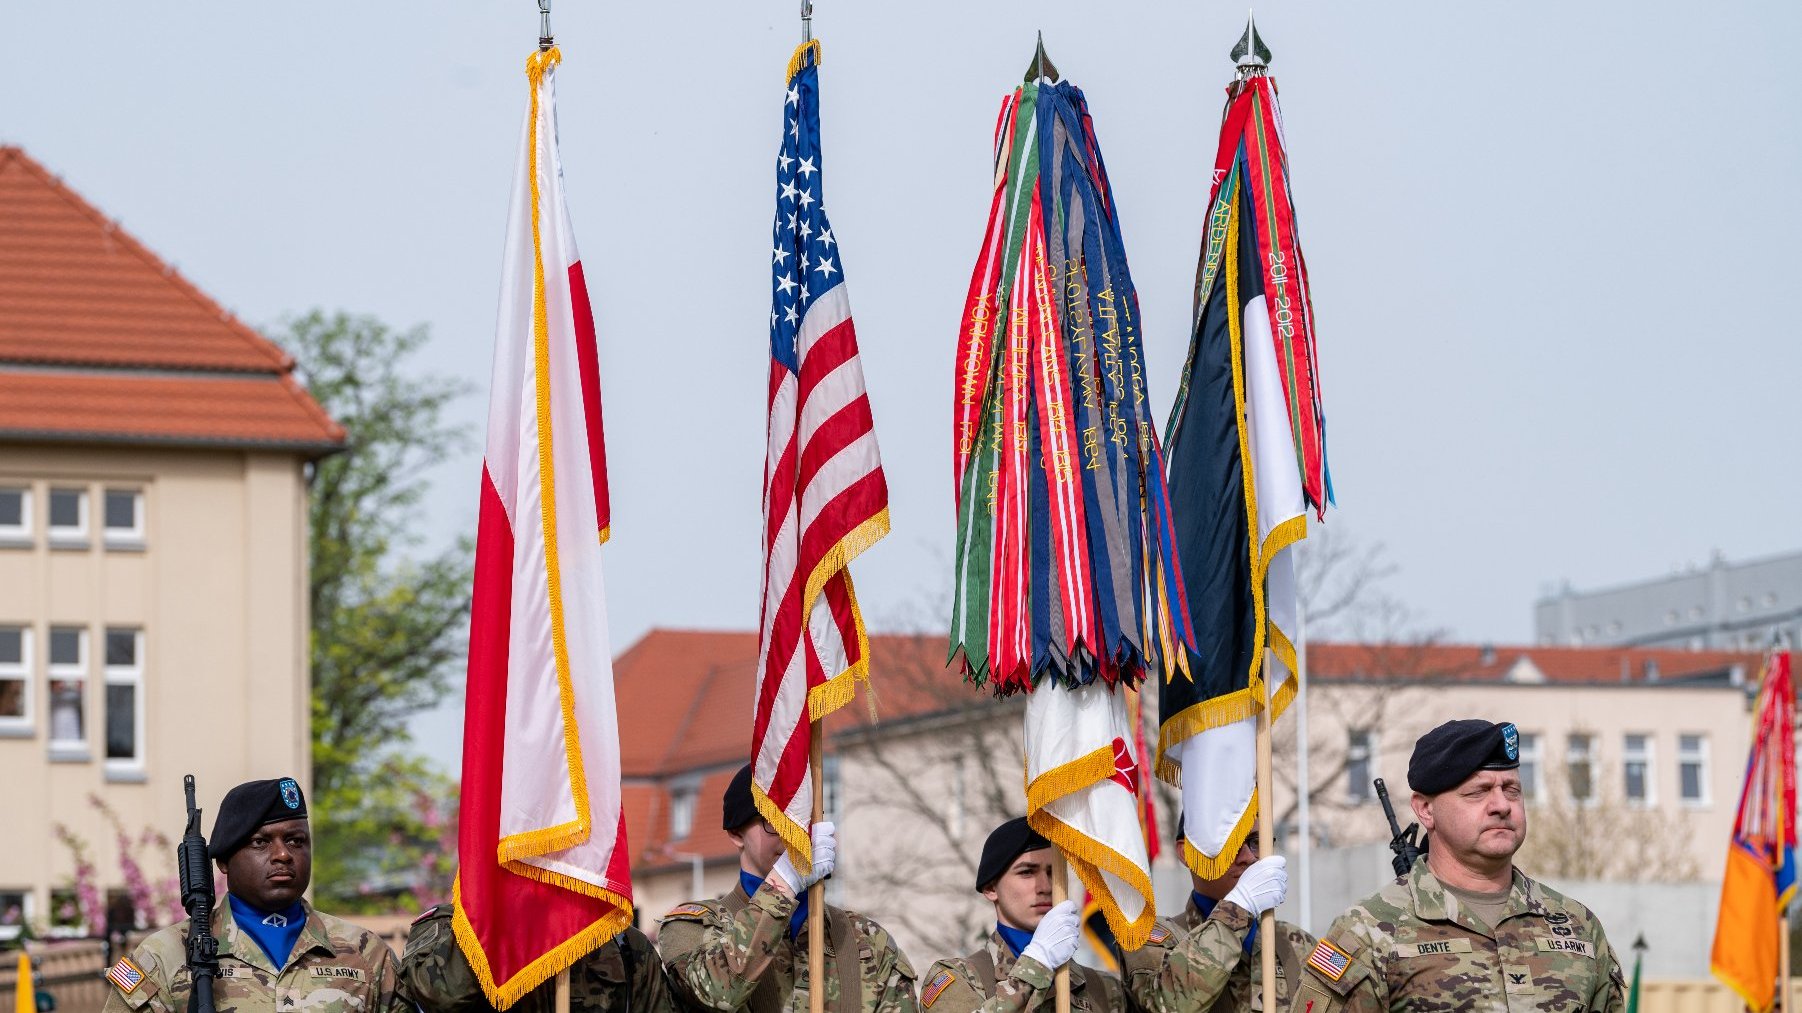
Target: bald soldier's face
x=1481, y=822
x=1022, y=894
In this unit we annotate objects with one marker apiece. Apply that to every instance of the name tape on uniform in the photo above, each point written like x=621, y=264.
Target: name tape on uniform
x=1548, y=944
x=1433, y=948
x=338, y=972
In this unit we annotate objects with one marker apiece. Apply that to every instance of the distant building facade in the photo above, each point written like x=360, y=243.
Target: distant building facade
x=153, y=549
x=1632, y=759
x=1721, y=607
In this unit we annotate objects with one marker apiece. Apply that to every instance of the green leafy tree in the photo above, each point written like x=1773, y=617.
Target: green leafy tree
x=388, y=619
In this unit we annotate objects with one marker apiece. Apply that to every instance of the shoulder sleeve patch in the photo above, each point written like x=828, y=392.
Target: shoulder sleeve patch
x=1329, y=961
x=126, y=975
x=427, y=913
x=687, y=911
x=1159, y=935
x=930, y=993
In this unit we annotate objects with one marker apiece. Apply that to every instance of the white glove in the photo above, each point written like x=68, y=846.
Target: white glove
x=1262, y=886
x=1054, y=941
x=825, y=856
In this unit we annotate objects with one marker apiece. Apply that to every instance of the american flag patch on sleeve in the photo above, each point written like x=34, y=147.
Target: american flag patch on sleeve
x=936, y=987
x=1329, y=960
x=125, y=974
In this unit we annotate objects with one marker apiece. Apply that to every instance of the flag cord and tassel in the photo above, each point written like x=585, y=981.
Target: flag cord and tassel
x=816, y=894
x=1060, y=892
x=1266, y=844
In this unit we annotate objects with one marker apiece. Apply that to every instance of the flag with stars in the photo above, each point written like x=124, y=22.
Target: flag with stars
x=825, y=499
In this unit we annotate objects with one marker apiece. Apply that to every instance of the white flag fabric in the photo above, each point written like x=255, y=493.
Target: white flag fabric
x=1082, y=782
x=1220, y=764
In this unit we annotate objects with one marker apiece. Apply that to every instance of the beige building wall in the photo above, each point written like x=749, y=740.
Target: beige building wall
x=218, y=589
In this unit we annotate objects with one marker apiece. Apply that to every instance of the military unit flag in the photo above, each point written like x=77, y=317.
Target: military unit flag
x=1247, y=461
x=825, y=498
x=1066, y=579
x=542, y=877
x=1760, y=879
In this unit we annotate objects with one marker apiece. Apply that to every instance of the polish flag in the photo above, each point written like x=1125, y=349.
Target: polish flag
x=542, y=877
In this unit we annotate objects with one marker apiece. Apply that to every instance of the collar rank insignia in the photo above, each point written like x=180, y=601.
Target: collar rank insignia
x=125, y=974
x=1329, y=960
x=935, y=988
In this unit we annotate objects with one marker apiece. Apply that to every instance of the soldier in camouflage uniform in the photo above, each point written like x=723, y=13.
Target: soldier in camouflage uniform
x=1210, y=956
x=748, y=949
x=275, y=951
x=1465, y=929
x=1013, y=971
x=623, y=976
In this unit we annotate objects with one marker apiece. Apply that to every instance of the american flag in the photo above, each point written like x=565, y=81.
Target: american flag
x=825, y=498
x=125, y=974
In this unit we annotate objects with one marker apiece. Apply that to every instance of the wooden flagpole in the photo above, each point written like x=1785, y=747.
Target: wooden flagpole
x=1060, y=892
x=563, y=991
x=1266, y=841
x=816, y=894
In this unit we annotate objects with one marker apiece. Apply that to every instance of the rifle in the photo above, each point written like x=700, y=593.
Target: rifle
x=1404, y=843
x=197, y=898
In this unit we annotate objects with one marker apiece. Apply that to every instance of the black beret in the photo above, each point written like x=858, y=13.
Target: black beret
x=737, y=807
x=1009, y=841
x=1447, y=755
x=251, y=805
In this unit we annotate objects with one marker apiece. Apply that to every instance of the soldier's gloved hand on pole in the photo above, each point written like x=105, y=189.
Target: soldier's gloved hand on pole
x=1262, y=886
x=825, y=856
x=1054, y=941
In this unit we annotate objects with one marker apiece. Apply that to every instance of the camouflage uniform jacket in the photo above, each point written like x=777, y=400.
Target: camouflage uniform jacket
x=623, y=976
x=1413, y=947
x=336, y=967
x=735, y=953
x=1192, y=964
x=993, y=981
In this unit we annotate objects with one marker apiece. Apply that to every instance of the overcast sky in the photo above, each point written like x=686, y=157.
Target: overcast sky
x=1550, y=243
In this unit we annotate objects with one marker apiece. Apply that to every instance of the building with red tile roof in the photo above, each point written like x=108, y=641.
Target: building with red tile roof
x=1654, y=735
x=153, y=538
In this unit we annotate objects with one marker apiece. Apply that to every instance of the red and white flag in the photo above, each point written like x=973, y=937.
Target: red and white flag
x=542, y=876
x=825, y=497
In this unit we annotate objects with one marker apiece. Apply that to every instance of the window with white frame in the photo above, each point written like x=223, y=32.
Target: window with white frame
x=1529, y=765
x=682, y=810
x=68, y=692
x=1636, y=769
x=124, y=698
x=831, y=796
x=1692, y=768
x=123, y=517
x=1359, y=757
x=68, y=517
x=15, y=680
x=15, y=515
x=1580, y=766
